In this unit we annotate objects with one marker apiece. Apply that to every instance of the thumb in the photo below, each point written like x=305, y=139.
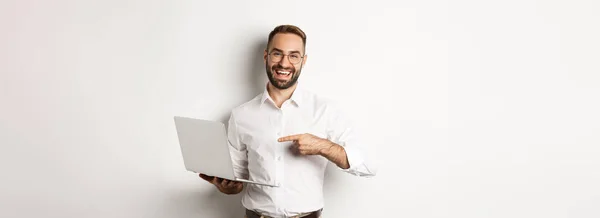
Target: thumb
x=206, y=177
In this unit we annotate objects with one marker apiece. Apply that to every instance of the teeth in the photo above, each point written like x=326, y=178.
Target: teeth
x=283, y=72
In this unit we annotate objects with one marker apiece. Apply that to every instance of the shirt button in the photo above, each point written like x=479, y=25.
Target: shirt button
x=279, y=158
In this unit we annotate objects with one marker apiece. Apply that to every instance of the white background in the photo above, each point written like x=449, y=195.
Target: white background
x=475, y=108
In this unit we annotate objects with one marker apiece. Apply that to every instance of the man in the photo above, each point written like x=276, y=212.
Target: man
x=286, y=136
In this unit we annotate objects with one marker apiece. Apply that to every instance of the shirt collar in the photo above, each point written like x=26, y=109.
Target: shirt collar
x=296, y=95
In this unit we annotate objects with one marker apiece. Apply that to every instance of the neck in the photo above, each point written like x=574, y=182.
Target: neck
x=280, y=95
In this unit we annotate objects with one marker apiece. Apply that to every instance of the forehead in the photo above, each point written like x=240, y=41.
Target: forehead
x=287, y=42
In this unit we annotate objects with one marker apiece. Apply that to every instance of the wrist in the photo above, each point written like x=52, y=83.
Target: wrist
x=328, y=148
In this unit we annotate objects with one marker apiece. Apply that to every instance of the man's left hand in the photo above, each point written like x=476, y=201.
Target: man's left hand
x=308, y=144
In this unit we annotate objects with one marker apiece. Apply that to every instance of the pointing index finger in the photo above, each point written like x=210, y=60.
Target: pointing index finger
x=289, y=138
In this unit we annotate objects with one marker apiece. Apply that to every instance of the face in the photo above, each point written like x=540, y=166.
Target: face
x=284, y=73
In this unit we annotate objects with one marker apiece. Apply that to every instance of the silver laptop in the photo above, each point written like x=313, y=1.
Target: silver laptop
x=205, y=148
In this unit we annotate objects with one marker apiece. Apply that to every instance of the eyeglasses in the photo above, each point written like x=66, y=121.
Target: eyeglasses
x=294, y=58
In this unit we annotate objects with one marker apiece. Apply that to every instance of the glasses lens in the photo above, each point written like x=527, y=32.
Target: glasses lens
x=294, y=58
x=276, y=56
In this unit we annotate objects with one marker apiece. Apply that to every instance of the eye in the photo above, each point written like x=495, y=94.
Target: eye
x=276, y=54
x=295, y=56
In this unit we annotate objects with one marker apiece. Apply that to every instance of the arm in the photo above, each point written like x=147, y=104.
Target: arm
x=239, y=159
x=343, y=147
x=347, y=143
x=237, y=150
x=336, y=154
x=349, y=157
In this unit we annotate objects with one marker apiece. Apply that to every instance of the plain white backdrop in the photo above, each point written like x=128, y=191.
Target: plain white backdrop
x=474, y=108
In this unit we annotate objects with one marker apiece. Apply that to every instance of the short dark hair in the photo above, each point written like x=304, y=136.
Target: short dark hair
x=287, y=29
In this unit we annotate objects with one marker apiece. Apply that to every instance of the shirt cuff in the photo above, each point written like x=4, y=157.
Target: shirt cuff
x=355, y=159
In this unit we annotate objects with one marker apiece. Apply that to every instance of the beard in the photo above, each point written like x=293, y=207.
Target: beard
x=282, y=84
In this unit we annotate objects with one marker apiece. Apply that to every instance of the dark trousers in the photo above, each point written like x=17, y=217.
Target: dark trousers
x=314, y=214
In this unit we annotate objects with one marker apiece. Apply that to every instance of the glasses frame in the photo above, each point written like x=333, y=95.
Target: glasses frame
x=288, y=56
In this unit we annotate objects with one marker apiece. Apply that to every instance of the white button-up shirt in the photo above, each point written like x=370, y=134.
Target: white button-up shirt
x=253, y=130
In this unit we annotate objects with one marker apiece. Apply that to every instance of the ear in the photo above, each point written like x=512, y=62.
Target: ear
x=265, y=56
x=304, y=59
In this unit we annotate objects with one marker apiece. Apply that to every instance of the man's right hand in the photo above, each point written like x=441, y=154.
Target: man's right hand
x=224, y=185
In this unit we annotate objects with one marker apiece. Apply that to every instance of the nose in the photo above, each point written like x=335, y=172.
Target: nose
x=285, y=61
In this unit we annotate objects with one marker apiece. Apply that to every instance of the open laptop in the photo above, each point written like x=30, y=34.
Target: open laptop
x=205, y=148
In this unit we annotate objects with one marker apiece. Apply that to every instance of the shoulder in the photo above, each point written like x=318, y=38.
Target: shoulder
x=247, y=106
x=321, y=101
x=322, y=106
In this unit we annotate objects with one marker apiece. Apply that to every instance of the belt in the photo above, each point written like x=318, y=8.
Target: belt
x=314, y=214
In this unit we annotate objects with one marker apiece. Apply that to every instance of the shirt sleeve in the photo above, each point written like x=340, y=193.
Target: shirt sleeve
x=237, y=150
x=342, y=132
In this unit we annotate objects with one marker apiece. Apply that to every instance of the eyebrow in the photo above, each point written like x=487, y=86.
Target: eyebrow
x=294, y=51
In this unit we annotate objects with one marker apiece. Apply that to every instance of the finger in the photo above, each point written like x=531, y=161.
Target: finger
x=239, y=185
x=289, y=138
x=225, y=183
x=228, y=184
x=206, y=177
x=294, y=149
x=304, y=150
x=301, y=150
x=217, y=180
x=232, y=184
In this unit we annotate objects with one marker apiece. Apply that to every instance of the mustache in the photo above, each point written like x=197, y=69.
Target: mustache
x=279, y=67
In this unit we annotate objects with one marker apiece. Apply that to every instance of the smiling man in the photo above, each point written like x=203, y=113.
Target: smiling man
x=286, y=136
